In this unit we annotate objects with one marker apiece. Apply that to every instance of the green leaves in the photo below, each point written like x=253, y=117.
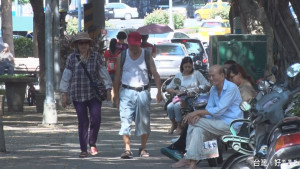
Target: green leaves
x=23, y=47
x=23, y=2
x=160, y=16
x=72, y=25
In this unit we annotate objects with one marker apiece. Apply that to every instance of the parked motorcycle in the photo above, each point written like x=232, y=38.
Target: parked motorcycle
x=275, y=139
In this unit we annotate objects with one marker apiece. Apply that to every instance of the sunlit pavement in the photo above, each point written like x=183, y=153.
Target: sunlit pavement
x=31, y=145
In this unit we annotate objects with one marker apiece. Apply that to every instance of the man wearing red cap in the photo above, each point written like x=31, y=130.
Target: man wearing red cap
x=134, y=99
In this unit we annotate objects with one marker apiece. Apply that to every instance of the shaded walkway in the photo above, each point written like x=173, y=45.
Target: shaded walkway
x=33, y=146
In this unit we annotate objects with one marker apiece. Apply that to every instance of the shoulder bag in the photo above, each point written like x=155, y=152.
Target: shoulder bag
x=100, y=90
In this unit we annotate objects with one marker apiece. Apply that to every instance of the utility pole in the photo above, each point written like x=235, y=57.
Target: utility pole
x=171, y=24
x=49, y=114
x=79, y=15
x=56, y=51
x=2, y=138
x=17, y=7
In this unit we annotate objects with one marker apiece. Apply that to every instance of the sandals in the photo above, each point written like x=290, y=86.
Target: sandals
x=143, y=152
x=173, y=127
x=177, y=132
x=83, y=155
x=127, y=154
x=94, y=151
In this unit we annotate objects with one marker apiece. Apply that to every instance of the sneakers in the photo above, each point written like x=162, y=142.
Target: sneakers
x=173, y=154
x=94, y=151
x=127, y=154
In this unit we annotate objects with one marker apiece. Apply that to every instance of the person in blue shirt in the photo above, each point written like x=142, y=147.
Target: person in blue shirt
x=212, y=122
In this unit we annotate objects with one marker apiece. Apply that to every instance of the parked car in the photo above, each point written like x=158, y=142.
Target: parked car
x=109, y=13
x=206, y=11
x=122, y=11
x=196, y=51
x=213, y=27
x=166, y=37
x=186, y=8
x=168, y=59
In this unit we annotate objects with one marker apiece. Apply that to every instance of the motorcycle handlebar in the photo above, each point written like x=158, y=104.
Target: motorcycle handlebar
x=257, y=119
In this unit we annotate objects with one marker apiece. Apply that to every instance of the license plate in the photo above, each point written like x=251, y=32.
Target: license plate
x=162, y=64
x=210, y=149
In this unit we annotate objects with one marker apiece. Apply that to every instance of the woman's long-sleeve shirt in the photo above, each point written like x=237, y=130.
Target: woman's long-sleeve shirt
x=76, y=82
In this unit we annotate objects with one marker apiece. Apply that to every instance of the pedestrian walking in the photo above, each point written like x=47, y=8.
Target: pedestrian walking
x=148, y=46
x=111, y=56
x=134, y=99
x=121, y=45
x=7, y=61
x=76, y=84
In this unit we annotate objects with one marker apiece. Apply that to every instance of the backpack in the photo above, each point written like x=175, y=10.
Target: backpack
x=111, y=61
x=147, y=60
x=111, y=64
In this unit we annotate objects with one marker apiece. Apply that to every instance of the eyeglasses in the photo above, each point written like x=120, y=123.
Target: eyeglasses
x=83, y=42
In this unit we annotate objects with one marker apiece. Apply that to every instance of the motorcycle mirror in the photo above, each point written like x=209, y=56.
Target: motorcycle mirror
x=293, y=70
x=177, y=82
x=245, y=106
x=198, y=62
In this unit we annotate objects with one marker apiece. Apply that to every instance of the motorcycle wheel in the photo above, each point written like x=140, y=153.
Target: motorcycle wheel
x=237, y=161
x=163, y=91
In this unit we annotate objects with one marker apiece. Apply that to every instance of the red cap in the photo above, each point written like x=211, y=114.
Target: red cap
x=134, y=38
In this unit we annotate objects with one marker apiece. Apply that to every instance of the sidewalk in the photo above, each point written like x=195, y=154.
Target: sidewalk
x=30, y=145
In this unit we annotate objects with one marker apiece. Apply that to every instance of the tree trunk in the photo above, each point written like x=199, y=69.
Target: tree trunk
x=2, y=139
x=39, y=21
x=7, y=28
x=254, y=21
x=286, y=32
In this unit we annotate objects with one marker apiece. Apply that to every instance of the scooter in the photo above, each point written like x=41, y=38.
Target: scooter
x=276, y=136
x=167, y=97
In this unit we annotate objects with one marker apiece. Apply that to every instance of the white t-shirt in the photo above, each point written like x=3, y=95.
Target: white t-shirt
x=196, y=79
x=6, y=55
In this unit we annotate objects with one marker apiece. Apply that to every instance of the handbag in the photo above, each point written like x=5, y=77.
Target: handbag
x=99, y=89
x=176, y=99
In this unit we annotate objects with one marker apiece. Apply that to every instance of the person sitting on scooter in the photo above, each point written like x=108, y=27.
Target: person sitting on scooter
x=189, y=79
x=176, y=150
x=212, y=122
x=238, y=75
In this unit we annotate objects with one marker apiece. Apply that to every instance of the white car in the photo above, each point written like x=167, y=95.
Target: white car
x=168, y=58
x=122, y=11
x=166, y=37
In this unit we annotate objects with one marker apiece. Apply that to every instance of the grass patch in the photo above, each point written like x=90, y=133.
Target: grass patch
x=14, y=76
x=190, y=30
